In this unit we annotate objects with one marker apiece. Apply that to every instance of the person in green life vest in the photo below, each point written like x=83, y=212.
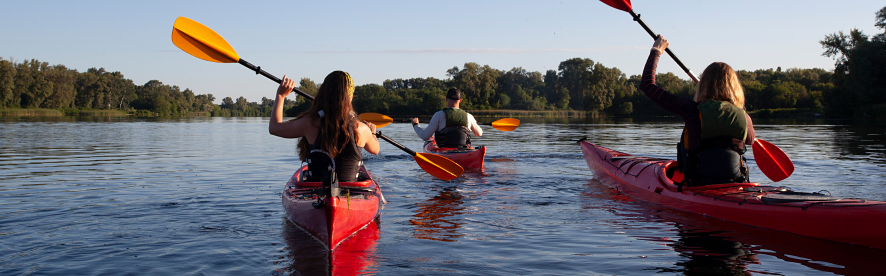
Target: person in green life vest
x=716, y=129
x=451, y=127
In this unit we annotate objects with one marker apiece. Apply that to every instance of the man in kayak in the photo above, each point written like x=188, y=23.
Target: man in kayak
x=716, y=129
x=451, y=126
x=331, y=135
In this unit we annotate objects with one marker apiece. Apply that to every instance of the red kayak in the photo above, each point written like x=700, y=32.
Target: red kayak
x=467, y=158
x=333, y=213
x=855, y=221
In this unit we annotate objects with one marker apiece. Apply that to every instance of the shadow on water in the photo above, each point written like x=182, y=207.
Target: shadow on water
x=304, y=255
x=711, y=246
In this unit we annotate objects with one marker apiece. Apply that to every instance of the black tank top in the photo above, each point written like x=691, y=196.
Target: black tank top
x=347, y=163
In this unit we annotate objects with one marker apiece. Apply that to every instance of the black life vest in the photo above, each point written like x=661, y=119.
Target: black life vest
x=720, y=158
x=456, y=133
x=346, y=164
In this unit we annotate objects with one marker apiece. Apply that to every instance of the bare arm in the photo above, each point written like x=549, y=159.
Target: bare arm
x=366, y=137
x=473, y=126
x=292, y=128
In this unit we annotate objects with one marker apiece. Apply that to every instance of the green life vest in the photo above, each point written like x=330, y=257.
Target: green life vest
x=722, y=119
x=456, y=133
x=455, y=117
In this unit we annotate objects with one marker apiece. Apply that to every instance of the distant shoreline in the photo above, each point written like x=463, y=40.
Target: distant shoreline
x=781, y=113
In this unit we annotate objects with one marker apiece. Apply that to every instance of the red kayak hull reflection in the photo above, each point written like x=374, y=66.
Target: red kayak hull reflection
x=353, y=256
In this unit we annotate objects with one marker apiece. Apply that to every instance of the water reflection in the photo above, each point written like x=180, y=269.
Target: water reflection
x=304, y=255
x=863, y=141
x=707, y=253
x=437, y=218
x=713, y=246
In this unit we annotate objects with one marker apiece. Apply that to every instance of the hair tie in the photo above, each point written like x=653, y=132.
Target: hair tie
x=321, y=113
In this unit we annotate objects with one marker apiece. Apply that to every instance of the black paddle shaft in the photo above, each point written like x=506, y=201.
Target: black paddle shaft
x=398, y=145
x=668, y=50
x=259, y=71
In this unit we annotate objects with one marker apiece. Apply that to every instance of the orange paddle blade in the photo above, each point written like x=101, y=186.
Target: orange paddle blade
x=438, y=166
x=773, y=162
x=506, y=124
x=202, y=42
x=380, y=120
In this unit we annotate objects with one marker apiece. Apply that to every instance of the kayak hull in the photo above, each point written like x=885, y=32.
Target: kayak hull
x=854, y=221
x=468, y=159
x=331, y=219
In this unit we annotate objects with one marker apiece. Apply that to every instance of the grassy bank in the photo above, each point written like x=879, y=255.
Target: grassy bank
x=61, y=112
x=102, y=113
x=30, y=112
x=537, y=114
x=787, y=113
x=871, y=112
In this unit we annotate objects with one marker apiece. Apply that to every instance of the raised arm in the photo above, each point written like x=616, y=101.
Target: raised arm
x=670, y=102
x=289, y=129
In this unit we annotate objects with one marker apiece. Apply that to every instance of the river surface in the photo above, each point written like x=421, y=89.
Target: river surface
x=201, y=196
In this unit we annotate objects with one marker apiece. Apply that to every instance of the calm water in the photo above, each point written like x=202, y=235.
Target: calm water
x=202, y=196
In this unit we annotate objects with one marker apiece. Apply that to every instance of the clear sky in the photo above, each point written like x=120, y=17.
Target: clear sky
x=379, y=40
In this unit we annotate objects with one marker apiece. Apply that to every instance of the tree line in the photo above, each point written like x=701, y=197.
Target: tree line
x=858, y=79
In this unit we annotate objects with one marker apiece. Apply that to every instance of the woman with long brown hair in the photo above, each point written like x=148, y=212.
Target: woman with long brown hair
x=330, y=132
x=716, y=129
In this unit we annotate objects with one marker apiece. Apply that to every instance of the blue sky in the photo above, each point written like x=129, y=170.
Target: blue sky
x=379, y=40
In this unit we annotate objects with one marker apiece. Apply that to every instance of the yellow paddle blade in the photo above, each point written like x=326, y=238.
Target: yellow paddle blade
x=380, y=120
x=202, y=42
x=438, y=166
x=506, y=124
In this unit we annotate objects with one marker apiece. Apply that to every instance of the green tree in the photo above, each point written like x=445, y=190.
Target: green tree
x=860, y=68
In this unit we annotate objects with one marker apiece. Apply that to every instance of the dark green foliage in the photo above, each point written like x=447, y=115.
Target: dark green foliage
x=860, y=71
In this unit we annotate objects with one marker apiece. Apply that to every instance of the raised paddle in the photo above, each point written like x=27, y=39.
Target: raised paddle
x=773, y=162
x=381, y=120
x=625, y=5
x=204, y=43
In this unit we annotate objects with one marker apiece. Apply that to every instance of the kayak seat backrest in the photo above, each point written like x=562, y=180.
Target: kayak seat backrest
x=367, y=183
x=672, y=172
x=364, y=180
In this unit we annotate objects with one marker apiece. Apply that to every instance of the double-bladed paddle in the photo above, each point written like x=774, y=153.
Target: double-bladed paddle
x=381, y=120
x=204, y=43
x=625, y=5
x=773, y=162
